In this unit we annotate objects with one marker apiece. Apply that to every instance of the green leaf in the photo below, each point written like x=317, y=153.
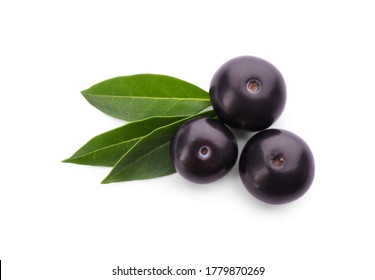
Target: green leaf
x=150, y=157
x=141, y=96
x=107, y=148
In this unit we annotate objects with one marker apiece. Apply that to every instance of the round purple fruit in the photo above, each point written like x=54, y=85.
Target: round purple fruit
x=248, y=93
x=203, y=150
x=276, y=166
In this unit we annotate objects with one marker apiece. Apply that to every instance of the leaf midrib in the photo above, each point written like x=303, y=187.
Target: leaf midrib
x=133, y=139
x=132, y=148
x=111, y=146
x=109, y=179
x=147, y=97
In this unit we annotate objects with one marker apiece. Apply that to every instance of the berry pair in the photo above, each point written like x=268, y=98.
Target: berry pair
x=276, y=166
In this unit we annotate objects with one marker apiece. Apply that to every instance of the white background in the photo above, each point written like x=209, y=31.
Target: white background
x=58, y=222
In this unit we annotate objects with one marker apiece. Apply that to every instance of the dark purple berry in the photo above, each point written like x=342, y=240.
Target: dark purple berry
x=203, y=150
x=248, y=93
x=276, y=166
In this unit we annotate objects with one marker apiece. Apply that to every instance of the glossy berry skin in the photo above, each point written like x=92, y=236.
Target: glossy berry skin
x=276, y=166
x=203, y=150
x=248, y=93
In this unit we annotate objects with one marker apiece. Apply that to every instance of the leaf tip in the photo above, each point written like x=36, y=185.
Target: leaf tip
x=67, y=160
x=106, y=181
x=84, y=92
